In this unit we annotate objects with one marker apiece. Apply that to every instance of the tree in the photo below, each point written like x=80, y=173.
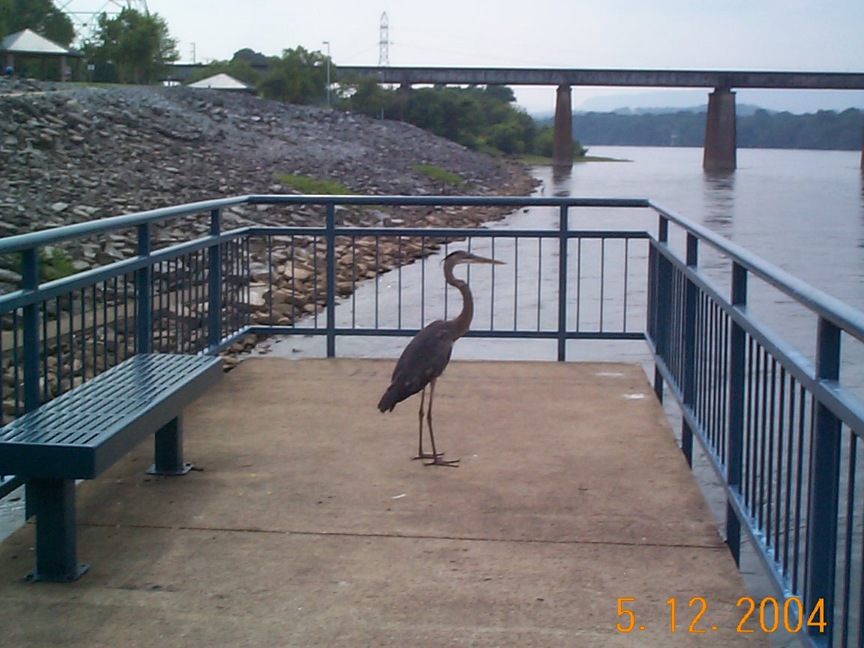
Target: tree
x=238, y=68
x=5, y=18
x=368, y=98
x=40, y=16
x=134, y=46
x=298, y=77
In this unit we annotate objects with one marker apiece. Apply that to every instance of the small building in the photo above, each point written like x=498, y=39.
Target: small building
x=223, y=81
x=29, y=44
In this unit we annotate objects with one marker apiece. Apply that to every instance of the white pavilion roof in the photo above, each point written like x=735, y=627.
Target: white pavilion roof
x=29, y=42
x=221, y=81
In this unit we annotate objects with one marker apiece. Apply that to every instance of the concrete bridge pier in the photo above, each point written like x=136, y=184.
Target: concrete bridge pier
x=719, y=153
x=562, y=139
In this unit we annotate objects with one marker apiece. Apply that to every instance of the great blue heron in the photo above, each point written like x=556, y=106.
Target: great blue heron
x=427, y=355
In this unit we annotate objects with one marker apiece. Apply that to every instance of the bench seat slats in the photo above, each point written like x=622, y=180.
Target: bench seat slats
x=80, y=433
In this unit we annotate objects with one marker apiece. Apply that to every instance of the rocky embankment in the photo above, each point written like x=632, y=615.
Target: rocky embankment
x=71, y=154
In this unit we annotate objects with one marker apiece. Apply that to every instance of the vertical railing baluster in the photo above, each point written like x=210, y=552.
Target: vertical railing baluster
x=331, y=279
x=737, y=375
x=824, y=484
x=688, y=370
x=143, y=287
x=563, y=227
x=30, y=281
x=214, y=281
x=662, y=310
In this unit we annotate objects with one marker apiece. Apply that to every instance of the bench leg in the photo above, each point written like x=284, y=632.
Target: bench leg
x=169, y=450
x=53, y=503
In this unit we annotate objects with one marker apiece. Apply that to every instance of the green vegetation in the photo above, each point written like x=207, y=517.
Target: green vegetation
x=312, y=186
x=298, y=77
x=54, y=263
x=480, y=118
x=245, y=66
x=131, y=48
x=40, y=16
x=438, y=174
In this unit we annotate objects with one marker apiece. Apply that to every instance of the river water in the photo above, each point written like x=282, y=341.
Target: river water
x=800, y=210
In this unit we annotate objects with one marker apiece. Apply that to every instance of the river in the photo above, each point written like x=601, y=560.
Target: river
x=801, y=210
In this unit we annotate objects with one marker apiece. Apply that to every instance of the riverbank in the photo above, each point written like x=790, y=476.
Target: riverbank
x=71, y=154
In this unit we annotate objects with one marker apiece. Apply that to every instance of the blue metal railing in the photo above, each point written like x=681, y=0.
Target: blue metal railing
x=779, y=425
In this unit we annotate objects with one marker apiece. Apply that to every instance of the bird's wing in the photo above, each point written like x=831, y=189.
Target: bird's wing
x=425, y=358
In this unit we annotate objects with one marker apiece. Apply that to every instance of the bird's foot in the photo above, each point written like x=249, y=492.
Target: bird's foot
x=438, y=461
x=427, y=455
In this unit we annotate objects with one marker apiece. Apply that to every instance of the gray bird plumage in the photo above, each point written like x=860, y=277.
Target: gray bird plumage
x=427, y=355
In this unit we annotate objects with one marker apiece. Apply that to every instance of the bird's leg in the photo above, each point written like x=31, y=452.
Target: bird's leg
x=420, y=453
x=436, y=458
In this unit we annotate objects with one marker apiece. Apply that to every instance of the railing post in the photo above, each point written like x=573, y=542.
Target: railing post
x=30, y=281
x=143, y=295
x=824, y=484
x=331, y=279
x=214, y=287
x=737, y=377
x=663, y=305
x=563, y=228
x=688, y=378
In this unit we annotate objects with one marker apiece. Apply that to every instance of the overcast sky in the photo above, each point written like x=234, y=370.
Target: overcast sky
x=811, y=35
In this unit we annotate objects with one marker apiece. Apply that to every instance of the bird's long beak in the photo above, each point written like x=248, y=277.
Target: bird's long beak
x=474, y=258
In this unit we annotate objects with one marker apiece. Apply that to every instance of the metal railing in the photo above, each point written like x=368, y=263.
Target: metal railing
x=778, y=423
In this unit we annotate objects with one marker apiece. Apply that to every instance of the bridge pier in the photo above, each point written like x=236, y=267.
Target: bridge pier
x=720, y=153
x=562, y=139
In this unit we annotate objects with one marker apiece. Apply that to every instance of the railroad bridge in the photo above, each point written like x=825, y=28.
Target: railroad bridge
x=720, y=136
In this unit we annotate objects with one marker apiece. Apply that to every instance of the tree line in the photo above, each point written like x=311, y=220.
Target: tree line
x=483, y=118
x=824, y=129
x=131, y=47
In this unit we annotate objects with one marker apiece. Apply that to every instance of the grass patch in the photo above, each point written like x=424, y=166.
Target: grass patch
x=312, y=186
x=54, y=263
x=438, y=174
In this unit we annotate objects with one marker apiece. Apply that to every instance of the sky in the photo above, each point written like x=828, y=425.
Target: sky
x=796, y=35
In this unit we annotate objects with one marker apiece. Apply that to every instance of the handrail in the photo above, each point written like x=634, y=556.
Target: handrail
x=840, y=313
x=744, y=391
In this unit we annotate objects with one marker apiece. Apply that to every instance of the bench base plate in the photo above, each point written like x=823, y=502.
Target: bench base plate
x=184, y=469
x=35, y=577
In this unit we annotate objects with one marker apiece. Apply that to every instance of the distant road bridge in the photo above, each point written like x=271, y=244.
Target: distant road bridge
x=720, y=137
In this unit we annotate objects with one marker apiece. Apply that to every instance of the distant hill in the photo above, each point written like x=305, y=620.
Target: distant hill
x=796, y=101
x=742, y=110
x=757, y=128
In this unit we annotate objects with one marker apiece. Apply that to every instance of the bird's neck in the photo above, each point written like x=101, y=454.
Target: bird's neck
x=463, y=320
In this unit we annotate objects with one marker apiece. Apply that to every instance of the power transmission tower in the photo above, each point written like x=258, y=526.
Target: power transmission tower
x=384, y=42
x=86, y=22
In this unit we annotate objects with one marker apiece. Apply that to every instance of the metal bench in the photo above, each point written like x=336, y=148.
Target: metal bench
x=83, y=432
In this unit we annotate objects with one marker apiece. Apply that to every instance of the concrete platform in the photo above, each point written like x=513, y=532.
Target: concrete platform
x=307, y=524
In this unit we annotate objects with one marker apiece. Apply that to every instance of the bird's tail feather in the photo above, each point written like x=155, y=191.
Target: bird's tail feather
x=392, y=396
